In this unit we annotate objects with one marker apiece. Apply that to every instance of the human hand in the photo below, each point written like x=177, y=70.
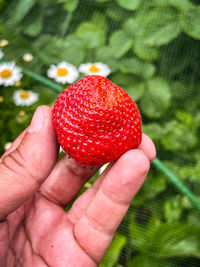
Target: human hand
x=34, y=228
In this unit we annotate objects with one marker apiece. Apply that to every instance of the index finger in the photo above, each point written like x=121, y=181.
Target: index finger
x=96, y=227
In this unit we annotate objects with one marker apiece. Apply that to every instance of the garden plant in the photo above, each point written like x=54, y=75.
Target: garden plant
x=150, y=48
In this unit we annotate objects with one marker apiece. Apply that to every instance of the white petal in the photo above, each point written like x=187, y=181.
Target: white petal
x=51, y=73
x=62, y=64
x=84, y=68
x=33, y=97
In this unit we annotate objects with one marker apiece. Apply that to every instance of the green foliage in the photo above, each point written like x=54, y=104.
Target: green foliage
x=165, y=27
x=190, y=21
x=137, y=67
x=70, y=49
x=91, y=35
x=112, y=255
x=129, y=4
x=161, y=240
x=152, y=48
x=22, y=8
x=70, y=5
x=173, y=209
x=119, y=39
x=156, y=98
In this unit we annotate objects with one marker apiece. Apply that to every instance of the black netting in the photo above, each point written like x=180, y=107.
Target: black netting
x=153, y=51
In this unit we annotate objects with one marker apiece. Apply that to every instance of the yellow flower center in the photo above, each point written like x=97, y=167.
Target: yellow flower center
x=5, y=73
x=93, y=68
x=24, y=94
x=62, y=71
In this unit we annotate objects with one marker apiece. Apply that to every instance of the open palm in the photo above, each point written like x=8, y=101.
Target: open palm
x=34, y=228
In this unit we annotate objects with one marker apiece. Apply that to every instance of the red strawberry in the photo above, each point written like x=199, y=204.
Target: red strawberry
x=96, y=121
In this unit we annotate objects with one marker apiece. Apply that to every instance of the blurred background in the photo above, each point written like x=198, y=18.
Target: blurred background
x=150, y=48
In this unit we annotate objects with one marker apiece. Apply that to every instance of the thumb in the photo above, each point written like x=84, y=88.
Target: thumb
x=25, y=168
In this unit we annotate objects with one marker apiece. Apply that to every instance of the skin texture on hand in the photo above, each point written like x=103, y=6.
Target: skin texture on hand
x=35, y=231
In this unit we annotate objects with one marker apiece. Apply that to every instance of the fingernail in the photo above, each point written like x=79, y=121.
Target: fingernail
x=37, y=121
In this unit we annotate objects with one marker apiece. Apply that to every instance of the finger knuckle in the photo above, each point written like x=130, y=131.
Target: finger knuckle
x=17, y=164
x=14, y=160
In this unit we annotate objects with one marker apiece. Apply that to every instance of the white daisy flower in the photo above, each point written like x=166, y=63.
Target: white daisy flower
x=63, y=73
x=1, y=54
x=9, y=74
x=97, y=68
x=24, y=98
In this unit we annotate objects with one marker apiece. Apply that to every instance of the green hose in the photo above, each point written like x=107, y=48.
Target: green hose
x=176, y=182
x=56, y=87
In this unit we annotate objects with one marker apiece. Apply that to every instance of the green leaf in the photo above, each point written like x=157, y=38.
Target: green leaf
x=145, y=52
x=183, y=5
x=129, y=4
x=104, y=54
x=177, y=134
x=154, y=27
x=99, y=18
x=124, y=80
x=70, y=5
x=194, y=217
x=53, y=50
x=173, y=209
x=137, y=234
x=172, y=61
x=197, y=119
x=35, y=27
x=154, y=130
x=101, y=1
x=190, y=21
x=137, y=67
x=154, y=185
x=160, y=26
x=185, y=118
x=160, y=239
x=112, y=255
x=21, y=10
x=91, y=35
x=131, y=84
x=136, y=91
x=143, y=260
x=156, y=99
x=115, y=12
x=179, y=89
x=132, y=26
x=191, y=171
x=119, y=44
x=177, y=240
